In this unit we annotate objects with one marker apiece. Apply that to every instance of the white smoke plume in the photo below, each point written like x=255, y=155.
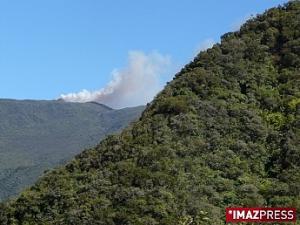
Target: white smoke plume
x=136, y=84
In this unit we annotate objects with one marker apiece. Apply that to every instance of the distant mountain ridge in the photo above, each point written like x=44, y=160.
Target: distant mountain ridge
x=100, y=104
x=224, y=132
x=38, y=135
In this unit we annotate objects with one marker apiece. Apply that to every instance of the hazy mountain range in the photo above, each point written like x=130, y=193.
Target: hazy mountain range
x=37, y=135
x=224, y=132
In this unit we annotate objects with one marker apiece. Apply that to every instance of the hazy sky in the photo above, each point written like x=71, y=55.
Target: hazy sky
x=54, y=47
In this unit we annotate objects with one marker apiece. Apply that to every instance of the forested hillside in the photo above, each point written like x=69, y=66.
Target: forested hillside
x=224, y=132
x=40, y=135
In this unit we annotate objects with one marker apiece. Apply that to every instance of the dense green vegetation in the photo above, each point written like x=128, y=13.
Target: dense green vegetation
x=39, y=135
x=224, y=132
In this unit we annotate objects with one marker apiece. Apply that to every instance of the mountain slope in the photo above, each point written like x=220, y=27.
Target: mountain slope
x=39, y=135
x=224, y=132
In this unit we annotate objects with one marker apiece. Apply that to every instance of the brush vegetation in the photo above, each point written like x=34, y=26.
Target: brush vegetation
x=224, y=132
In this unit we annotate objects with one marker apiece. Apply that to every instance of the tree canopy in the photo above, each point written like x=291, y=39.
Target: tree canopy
x=224, y=132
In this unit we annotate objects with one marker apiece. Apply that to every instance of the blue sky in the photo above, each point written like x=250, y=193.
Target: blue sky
x=53, y=47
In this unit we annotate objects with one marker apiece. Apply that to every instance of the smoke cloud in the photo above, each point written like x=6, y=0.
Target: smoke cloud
x=136, y=84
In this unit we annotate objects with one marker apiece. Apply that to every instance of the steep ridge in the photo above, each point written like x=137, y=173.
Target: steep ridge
x=39, y=135
x=224, y=132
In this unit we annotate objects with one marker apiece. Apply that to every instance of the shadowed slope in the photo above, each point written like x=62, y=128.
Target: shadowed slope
x=224, y=132
x=39, y=135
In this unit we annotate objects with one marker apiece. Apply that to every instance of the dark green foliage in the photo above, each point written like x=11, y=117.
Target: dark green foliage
x=39, y=135
x=3, y=215
x=174, y=105
x=224, y=132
